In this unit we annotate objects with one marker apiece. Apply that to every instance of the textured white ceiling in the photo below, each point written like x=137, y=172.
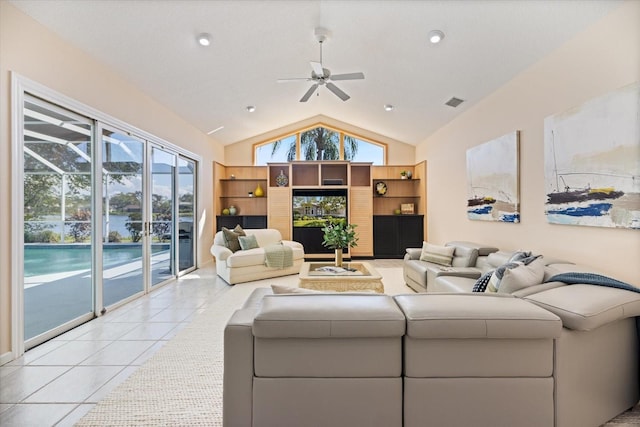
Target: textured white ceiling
x=152, y=44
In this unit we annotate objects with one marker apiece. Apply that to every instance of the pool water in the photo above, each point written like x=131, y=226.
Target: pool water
x=59, y=258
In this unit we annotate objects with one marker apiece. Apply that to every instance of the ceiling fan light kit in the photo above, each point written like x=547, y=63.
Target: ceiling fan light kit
x=321, y=76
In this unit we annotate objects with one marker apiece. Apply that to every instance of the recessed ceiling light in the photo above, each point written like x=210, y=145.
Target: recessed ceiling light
x=436, y=36
x=388, y=107
x=204, y=39
x=251, y=108
x=215, y=130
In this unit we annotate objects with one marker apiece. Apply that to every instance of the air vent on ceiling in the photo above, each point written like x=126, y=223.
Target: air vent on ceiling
x=454, y=102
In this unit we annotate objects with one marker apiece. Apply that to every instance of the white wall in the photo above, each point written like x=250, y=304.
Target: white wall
x=604, y=57
x=34, y=52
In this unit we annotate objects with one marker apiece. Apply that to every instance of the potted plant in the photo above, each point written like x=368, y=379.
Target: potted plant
x=339, y=235
x=403, y=174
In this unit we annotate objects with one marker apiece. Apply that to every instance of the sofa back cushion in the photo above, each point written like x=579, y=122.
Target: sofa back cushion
x=265, y=236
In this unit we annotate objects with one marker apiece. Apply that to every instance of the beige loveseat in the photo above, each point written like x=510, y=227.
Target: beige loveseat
x=247, y=265
x=563, y=355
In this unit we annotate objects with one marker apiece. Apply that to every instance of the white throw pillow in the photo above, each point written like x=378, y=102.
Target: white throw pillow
x=442, y=255
x=522, y=277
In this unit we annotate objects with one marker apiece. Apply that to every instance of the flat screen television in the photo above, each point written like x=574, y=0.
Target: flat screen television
x=312, y=210
x=316, y=208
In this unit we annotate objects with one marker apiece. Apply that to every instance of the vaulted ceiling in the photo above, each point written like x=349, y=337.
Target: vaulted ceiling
x=255, y=43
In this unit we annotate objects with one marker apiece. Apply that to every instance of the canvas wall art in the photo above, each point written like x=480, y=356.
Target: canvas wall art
x=592, y=162
x=493, y=180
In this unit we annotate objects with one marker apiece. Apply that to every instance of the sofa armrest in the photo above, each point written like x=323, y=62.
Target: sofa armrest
x=292, y=244
x=413, y=253
x=238, y=369
x=220, y=252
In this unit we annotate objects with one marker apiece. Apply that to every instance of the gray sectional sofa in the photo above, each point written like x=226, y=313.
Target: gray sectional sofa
x=554, y=355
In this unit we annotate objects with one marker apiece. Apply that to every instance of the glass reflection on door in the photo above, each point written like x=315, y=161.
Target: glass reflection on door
x=123, y=216
x=161, y=230
x=186, y=214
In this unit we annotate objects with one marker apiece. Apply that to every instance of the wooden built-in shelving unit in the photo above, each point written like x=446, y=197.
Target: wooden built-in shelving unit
x=359, y=178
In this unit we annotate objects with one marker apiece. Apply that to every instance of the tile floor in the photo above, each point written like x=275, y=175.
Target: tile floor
x=59, y=381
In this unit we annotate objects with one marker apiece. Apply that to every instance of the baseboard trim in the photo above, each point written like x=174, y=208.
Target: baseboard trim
x=6, y=358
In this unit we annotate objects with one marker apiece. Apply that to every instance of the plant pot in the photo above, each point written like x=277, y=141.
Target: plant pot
x=338, y=257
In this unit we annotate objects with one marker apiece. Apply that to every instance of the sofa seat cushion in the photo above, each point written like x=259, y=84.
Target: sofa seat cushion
x=256, y=256
x=328, y=316
x=328, y=335
x=476, y=316
x=453, y=284
x=587, y=307
x=246, y=258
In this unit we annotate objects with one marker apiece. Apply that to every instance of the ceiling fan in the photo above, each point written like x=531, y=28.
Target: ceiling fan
x=321, y=76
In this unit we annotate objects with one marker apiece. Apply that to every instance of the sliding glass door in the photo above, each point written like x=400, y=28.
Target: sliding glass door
x=57, y=250
x=162, y=235
x=123, y=211
x=186, y=214
x=107, y=215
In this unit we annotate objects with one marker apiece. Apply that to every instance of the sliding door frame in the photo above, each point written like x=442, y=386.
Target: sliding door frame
x=20, y=86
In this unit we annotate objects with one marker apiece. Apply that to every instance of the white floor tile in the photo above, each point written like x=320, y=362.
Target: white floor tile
x=76, y=415
x=27, y=380
x=149, y=331
x=71, y=353
x=35, y=415
x=108, y=331
x=5, y=406
x=118, y=353
x=76, y=385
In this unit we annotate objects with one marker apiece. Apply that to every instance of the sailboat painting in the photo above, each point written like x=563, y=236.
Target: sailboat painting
x=592, y=162
x=493, y=180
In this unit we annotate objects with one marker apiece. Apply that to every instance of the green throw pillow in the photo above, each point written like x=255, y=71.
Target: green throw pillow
x=248, y=242
x=442, y=255
x=239, y=231
x=231, y=239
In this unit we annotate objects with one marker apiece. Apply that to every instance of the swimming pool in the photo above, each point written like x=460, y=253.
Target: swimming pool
x=44, y=258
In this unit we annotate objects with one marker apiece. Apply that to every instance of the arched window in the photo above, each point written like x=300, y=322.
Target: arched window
x=320, y=143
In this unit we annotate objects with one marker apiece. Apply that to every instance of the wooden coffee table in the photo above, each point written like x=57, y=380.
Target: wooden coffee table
x=364, y=278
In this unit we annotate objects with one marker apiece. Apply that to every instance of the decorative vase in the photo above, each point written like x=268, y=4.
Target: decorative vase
x=232, y=210
x=282, y=180
x=258, y=192
x=409, y=174
x=339, y=257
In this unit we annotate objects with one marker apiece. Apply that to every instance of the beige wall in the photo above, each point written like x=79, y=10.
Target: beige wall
x=398, y=153
x=603, y=58
x=34, y=52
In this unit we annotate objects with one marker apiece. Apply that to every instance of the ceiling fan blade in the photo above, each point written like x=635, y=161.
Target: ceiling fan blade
x=307, y=95
x=307, y=79
x=317, y=68
x=348, y=76
x=340, y=94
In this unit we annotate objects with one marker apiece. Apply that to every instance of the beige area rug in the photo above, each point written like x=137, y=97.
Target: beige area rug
x=181, y=385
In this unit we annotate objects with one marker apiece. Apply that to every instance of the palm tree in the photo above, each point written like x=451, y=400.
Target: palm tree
x=319, y=144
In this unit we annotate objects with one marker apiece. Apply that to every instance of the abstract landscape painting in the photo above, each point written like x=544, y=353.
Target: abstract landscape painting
x=493, y=180
x=592, y=162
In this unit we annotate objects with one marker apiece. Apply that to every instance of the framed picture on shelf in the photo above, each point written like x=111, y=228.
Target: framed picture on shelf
x=407, y=209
